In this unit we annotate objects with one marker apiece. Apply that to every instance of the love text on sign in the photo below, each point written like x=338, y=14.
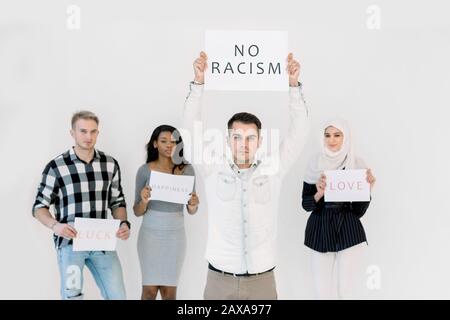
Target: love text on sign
x=347, y=185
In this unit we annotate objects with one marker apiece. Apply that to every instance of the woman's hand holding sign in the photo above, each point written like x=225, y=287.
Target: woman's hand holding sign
x=370, y=178
x=193, y=203
x=141, y=207
x=146, y=193
x=320, y=185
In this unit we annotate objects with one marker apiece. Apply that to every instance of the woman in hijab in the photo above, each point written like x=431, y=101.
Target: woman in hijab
x=334, y=231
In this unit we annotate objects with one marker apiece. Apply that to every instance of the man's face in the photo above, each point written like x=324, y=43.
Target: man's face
x=244, y=141
x=85, y=133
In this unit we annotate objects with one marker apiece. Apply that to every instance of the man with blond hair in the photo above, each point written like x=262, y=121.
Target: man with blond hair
x=83, y=182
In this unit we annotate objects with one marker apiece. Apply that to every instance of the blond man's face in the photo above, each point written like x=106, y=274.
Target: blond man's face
x=85, y=133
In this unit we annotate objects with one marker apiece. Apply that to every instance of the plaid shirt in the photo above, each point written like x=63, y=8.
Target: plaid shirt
x=80, y=189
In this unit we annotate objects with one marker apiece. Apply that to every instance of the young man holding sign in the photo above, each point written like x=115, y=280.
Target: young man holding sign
x=243, y=192
x=337, y=190
x=83, y=183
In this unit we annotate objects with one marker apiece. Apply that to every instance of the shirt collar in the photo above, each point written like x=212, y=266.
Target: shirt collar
x=234, y=166
x=230, y=160
x=73, y=155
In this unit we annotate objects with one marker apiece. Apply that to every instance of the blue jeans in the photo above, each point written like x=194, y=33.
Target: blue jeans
x=104, y=266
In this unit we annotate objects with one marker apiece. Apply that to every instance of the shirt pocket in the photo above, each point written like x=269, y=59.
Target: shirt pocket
x=226, y=186
x=261, y=189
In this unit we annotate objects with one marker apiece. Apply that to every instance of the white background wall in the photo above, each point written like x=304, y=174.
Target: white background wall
x=131, y=62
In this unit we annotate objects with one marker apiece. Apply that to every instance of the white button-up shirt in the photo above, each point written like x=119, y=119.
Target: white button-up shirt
x=243, y=204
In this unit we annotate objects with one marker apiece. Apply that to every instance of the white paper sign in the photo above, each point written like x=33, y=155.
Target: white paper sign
x=171, y=187
x=347, y=185
x=246, y=60
x=95, y=234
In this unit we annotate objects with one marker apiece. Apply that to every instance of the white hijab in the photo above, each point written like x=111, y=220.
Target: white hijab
x=329, y=160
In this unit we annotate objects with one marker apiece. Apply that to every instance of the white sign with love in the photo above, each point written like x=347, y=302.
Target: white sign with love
x=347, y=185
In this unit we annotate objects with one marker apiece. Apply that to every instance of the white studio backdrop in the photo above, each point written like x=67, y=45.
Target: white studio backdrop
x=131, y=61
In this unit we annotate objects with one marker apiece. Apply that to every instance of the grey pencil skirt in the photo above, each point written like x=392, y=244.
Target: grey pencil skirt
x=161, y=248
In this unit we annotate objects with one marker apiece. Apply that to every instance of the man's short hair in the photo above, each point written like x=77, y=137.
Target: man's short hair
x=85, y=115
x=246, y=118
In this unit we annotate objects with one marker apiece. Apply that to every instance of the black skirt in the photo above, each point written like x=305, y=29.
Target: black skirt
x=332, y=226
